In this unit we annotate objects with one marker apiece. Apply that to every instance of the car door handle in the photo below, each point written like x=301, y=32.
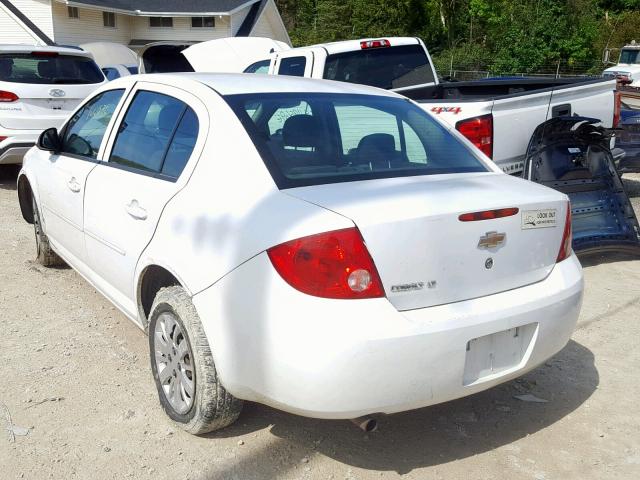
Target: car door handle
x=136, y=211
x=73, y=185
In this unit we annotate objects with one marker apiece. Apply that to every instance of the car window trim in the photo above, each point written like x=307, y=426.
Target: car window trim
x=173, y=135
x=146, y=173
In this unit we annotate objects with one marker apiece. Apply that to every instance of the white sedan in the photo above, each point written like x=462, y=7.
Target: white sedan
x=324, y=248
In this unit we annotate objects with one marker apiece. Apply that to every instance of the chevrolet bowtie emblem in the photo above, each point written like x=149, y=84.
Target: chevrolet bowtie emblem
x=492, y=240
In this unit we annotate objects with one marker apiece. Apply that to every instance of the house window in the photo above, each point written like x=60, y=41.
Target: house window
x=73, y=12
x=109, y=19
x=203, y=22
x=161, y=22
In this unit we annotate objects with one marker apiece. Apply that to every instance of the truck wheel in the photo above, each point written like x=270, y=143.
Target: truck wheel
x=44, y=253
x=183, y=369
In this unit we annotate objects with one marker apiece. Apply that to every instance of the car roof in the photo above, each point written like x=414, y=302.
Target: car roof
x=24, y=48
x=354, y=45
x=242, y=83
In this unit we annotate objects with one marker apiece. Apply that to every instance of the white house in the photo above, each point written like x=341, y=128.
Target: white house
x=136, y=22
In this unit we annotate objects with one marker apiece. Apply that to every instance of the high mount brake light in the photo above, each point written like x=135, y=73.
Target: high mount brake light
x=488, y=214
x=8, y=97
x=333, y=264
x=479, y=130
x=44, y=54
x=565, y=246
x=367, y=44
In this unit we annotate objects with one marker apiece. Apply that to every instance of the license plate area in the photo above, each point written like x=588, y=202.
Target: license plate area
x=56, y=104
x=496, y=354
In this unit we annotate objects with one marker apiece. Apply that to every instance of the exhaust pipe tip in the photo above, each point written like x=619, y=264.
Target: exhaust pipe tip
x=366, y=424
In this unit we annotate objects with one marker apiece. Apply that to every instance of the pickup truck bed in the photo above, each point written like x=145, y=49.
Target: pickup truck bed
x=515, y=107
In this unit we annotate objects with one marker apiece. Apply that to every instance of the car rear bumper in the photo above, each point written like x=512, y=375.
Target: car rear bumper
x=13, y=154
x=346, y=358
x=17, y=143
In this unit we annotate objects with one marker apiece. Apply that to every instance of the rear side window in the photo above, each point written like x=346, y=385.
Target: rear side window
x=111, y=73
x=390, y=67
x=320, y=138
x=85, y=131
x=258, y=67
x=292, y=66
x=157, y=135
x=48, y=68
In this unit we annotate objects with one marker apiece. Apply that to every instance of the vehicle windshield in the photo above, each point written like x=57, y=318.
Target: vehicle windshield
x=320, y=138
x=48, y=68
x=391, y=67
x=630, y=56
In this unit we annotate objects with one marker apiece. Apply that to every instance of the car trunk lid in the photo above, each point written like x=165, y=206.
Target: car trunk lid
x=427, y=256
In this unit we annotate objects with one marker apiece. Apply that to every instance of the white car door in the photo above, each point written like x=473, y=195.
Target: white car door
x=150, y=155
x=62, y=176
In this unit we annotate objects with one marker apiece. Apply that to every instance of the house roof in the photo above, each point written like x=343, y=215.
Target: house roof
x=174, y=7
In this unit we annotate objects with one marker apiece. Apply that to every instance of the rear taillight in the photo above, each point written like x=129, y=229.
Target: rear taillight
x=2, y=139
x=367, y=44
x=565, y=246
x=617, y=105
x=479, y=130
x=8, y=96
x=334, y=264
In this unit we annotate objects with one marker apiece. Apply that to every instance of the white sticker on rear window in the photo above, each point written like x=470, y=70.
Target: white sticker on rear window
x=539, y=218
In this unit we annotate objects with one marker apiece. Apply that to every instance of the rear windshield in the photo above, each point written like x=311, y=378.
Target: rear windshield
x=391, y=67
x=318, y=138
x=48, y=68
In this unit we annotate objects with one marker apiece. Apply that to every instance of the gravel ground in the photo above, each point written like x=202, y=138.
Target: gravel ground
x=76, y=373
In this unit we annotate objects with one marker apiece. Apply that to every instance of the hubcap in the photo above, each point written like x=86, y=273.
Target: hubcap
x=174, y=363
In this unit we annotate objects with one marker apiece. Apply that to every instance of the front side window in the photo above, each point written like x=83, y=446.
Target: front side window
x=390, y=67
x=319, y=138
x=48, y=68
x=203, y=22
x=85, y=131
x=630, y=56
x=161, y=22
x=292, y=66
x=109, y=19
x=157, y=135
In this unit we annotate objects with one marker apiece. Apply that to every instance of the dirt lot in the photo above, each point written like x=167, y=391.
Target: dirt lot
x=75, y=371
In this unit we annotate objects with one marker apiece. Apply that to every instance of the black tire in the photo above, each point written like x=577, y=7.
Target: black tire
x=212, y=406
x=44, y=253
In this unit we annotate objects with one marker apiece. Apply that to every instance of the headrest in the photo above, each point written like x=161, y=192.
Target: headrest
x=46, y=69
x=300, y=131
x=378, y=142
x=6, y=66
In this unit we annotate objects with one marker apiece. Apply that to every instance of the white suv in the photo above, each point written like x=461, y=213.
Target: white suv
x=39, y=88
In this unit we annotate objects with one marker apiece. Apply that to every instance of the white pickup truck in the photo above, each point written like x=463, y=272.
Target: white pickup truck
x=497, y=115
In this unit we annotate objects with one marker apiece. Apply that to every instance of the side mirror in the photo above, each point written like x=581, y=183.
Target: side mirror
x=49, y=141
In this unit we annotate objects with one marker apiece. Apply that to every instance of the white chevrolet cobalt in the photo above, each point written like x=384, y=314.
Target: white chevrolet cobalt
x=325, y=248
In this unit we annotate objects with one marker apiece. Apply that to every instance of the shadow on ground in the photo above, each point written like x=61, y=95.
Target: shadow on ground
x=8, y=176
x=420, y=438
